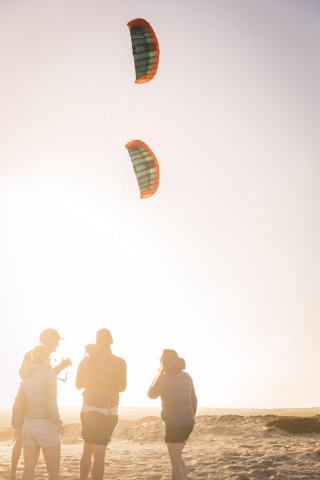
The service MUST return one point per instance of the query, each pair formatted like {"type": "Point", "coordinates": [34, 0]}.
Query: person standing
{"type": "Point", "coordinates": [102, 376]}
{"type": "Point", "coordinates": [179, 406]}
{"type": "Point", "coordinates": [49, 338]}
{"type": "Point", "coordinates": [41, 420]}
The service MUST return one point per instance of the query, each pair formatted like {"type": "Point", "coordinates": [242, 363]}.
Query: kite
{"type": "Point", "coordinates": [145, 48]}
{"type": "Point", "coordinates": [146, 167]}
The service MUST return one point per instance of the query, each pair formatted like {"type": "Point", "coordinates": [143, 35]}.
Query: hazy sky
{"type": "Point", "coordinates": [222, 263]}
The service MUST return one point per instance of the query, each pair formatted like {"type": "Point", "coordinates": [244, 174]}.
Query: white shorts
{"type": "Point", "coordinates": [40, 432]}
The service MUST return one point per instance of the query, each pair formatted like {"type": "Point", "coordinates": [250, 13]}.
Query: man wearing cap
{"type": "Point", "coordinates": [102, 376]}
{"type": "Point", "coordinates": [49, 338]}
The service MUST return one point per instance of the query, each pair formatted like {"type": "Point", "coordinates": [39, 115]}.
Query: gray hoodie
{"type": "Point", "coordinates": [179, 401]}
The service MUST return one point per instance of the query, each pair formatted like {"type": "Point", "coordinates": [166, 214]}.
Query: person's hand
{"type": "Point", "coordinates": [61, 428]}
{"type": "Point", "coordinates": [17, 433]}
{"type": "Point", "coordinates": [62, 365]}
{"type": "Point", "coordinates": [65, 363]}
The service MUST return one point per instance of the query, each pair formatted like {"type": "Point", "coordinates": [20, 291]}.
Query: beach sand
{"type": "Point", "coordinates": [221, 447]}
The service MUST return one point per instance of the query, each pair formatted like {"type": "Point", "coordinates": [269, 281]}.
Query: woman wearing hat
{"type": "Point", "coordinates": [179, 405]}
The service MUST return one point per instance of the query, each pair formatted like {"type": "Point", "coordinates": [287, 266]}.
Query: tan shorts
{"type": "Point", "coordinates": [40, 432]}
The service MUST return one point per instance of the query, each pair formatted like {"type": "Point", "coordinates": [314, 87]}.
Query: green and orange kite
{"type": "Point", "coordinates": [146, 52]}
{"type": "Point", "coordinates": [146, 167]}
{"type": "Point", "coordinates": [145, 49]}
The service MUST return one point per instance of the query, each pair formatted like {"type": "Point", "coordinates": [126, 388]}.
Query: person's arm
{"type": "Point", "coordinates": [51, 397]}
{"type": "Point", "coordinates": [62, 365]}
{"type": "Point", "coordinates": [81, 375]}
{"type": "Point", "coordinates": [122, 376]}
{"type": "Point", "coordinates": [27, 366]}
{"type": "Point", "coordinates": [19, 409]}
{"type": "Point", "coordinates": [155, 389]}
{"type": "Point", "coordinates": [194, 399]}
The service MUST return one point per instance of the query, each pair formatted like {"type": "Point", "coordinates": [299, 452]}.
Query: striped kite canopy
{"type": "Point", "coordinates": [145, 48]}
{"type": "Point", "coordinates": [145, 167]}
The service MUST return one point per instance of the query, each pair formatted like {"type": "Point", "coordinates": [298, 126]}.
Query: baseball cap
{"type": "Point", "coordinates": [49, 334]}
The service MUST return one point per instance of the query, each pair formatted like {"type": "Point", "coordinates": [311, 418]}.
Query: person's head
{"type": "Point", "coordinates": [169, 359]}
{"type": "Point", "coordinates": [50, 338]}
{"type": "Point", "coordinates": [40, 354]}
{"type": "Point", "coordinates": [104, 339]}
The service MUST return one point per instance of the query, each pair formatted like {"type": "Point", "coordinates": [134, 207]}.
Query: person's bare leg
{"type": "Point", "coordinates": [85, 462]}
{"type": "Point", "coordinates": [15, 457]}
{"type": "Point", "coordinates": [173, 460]}
{"type": "Point", "coordinates": [52, 459]}
{"type": "Point", "coordinates": [99, 453]}
{"type": "Point", "coordinates": [179, 471]}
{"type": "Point", "coordinates": [183, 467]}
{"type": "Point", "coordinates": [30, 460]}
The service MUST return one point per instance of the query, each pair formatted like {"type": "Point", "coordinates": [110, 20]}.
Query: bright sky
{"type": "Point", "coordinates": [222, 264]}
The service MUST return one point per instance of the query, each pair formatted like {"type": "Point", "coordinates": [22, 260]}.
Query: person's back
{"type": "Point", "coordinates": [41, 394]}
{"type": "Point", "coordinates": [176, 390]}
{"type": "Point", "coordinates": [102, 375]}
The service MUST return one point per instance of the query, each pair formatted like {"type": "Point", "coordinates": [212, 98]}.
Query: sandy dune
{"type": "Point", "coordinates": [221, 447]}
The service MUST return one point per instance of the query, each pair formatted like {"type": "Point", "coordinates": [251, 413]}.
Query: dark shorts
{"type": "Point", "coordinates": [177, 434]}
{"type": "Point", "coordinates": [97, 428]}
